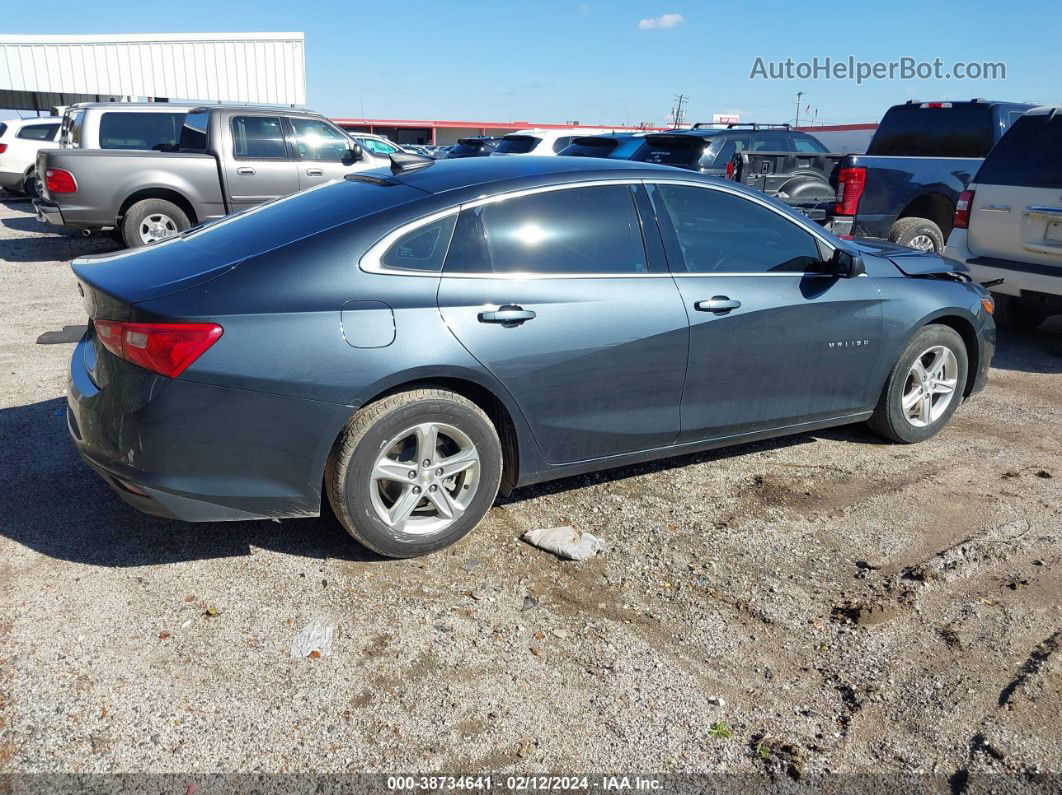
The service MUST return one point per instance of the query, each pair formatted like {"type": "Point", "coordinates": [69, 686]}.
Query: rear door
{"type": "Point", "coordinates": [553, 292]}
{"type": "Point", "coordinates": [323, 152]}
{"type": "Point", "coordinates": [259, 165]}
{"type": "Point", "coordinates": [774, 341]}
{"type": "Point", "coordinates": [1017, 208]}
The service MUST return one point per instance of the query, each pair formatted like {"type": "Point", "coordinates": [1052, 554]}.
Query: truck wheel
{"type": "Point", "coordinates": [918, 233]}
{"type": "Point", "coordinates": [152, 220]}
{"type": "Point", "coordinates": [1013, 315]}
{"type": "Point", "coordinates": [30, 187]}
{"type": "Point", "coordinates": [414, 472]}
{"type": "Point", "coordinates": [924, 388]}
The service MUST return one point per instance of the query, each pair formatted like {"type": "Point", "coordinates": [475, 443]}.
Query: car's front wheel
{"type": "Point", "coordinates": [414, 472]}
{"type": "Point", "coordinates": [924, 388]}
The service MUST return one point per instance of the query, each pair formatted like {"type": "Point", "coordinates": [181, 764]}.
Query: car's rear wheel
{"type": "Point", "coordinates": [924, 388]}
{"type": "Point", "coordinates": [414, 472]}
{"type": "Point", "coordinates": [152, 220]}
{"type": "Point", "coordinates": [918, 233]}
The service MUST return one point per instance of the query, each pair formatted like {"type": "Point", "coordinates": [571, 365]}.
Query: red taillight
{"type": "Point", "coordinates": [962, 210]}
{"type": "Point", "coordinates": [60, 180]}
{"type": "Point", "coordinates": [3, 148]}
{"type": "Point", "coordinates": [163, 348]}
{"type": "Point", "coordinates": [730, 169]}
{"type": "Point", "coordinates": [850, 184]}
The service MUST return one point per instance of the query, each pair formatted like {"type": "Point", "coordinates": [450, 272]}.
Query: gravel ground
{"type": "Point", "coordinates": [824, 602]}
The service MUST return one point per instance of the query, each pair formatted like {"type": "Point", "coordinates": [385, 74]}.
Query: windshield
{"type": "Point", "coordinates": [914, 131]}
{"type": "Point", "coordinates": [517, 144]}
{"type": "Point", "coordinates": [467, 147]}
{"type": "Point", "coordinates": [591, 147]}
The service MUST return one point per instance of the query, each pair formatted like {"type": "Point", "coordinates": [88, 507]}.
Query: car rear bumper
{"type": "Point", "coordinates": [198, 452]}
{"type": "Point", "coordinates": [1017, 277]}
{"type": "Point", "coordinates": [12, 179]}
{"type": "Point", "coordinates": [48, 212]}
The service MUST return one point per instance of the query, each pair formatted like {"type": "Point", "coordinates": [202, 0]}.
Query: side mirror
{"type": "Point", "coordinates": [356, 152]}
{"type": "Point", "coordinates": [846, 265]}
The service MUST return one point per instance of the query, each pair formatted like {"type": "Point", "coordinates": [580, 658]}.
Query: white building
{"type": "Point", "coordinates": [40, 72]}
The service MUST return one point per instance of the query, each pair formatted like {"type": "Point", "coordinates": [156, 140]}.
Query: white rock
{"type": "Point", "coordinates": [565, 542]}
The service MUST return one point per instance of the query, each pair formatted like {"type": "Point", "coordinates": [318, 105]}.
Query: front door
{"type": "Point", "coordinates": [323, 152]}
{"type": "Point", "coordinates": [261, 167]}
{"type": "Point", "coordinates": [774, 341]}
{"type": "Point", "coordinates": [553, 293]}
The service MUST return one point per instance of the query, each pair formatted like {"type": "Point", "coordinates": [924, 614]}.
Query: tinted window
{"type": "Point", "coordinates": [258, 137]}
{"type": "Point", "coordinates": [517, 144]}
{"type": "Point", "coordinates": [422, 249]}
{"type": "Point", "coordinates": [590, 230]}
{"type": "Point", "coordinates": [562, 142]}
{"type": "Point", "coordinates": [467, 146]}
{"type": "Point", "coordinates": [74, 124]}
{"type": "Point", "coordinates": [671, 150]}
{"type": "Point", "coordinates": [806, 144]}
{"type": "Point", "coordinates": [591, 147]}
{"type": "Point", "coordinates": [318, 140]}
{"type": "Point", "coordinates": [39, 132]}
{"type": "Point", "coordinates": [722, 233]}
{"type": "Point", "coordinates": [911, 131]}
{"type": "Point", "coordinates": [3, 129]}
{"type": "Point", "coordinates": [193, 132]}
{"type": "Point", "coordinates": [770, 142]}
{"type": "Point", "coordinates": [722, 150]}
{"type": "Point", "coordinates": [1029, 155]}
{"type": "Point", "coordinates": [160, 132]}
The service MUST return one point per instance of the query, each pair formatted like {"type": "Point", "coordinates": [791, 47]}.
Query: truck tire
{"type": "Point", "coordinates": [918, 233]}
{"type": "Point", "coordinates": [1013, 315]}
{"type": "Point", "coordinates": [30, 187]}
{"type": "Point", "coordinates": [151, 220]}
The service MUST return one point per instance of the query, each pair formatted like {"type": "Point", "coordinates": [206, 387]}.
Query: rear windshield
{"type": "Point", "coordinates": [517, 144]}
{"type": "Point", "coordinates": [591, 147]}
{"type": "Point", "coordinates": [1029, 155]}
{"type": "Point", "coordinates": [913, 131]}
{"type": "Point", "coordinates": [671, 150]}
{"type": "Point", "coordinates": [3, 129]}
{"type": "Point", "coordinates": [467, 147]}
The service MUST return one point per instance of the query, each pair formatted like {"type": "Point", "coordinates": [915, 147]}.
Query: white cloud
{"type": "Point", "coordinates": [662, 21]}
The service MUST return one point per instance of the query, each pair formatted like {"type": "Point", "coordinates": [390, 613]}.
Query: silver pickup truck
{"type": "Point", "coordinates": [214, 160]}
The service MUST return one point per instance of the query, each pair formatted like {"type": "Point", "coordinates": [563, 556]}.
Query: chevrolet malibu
{"type": "Point", "coordinates": [402, 344]}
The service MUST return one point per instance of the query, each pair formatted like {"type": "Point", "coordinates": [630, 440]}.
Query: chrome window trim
{"type": "Point", "coordinates": [370, 262]}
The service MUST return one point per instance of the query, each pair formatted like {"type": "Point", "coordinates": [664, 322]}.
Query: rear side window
{"type": "Point", "coordinates": [805, 144]}
{"type": "Point", "coordinates": [3, 129]}
{"type": "Point", "coordinates": [193, 132]}
{"type": "Point", "coordinates": [73, 123]}
{"type": "Point", "coordinates": [912, 131]}
{"type": "Point", "coordinates": [258, 138]}
{"type": "Point", "coordinates": [517, 144]}
{"type": "Point", "coordinates": [592, 230]}
{"type": "Point", "coordinates": [722, 150]}
{"type": "Point", "coordinates": [771, 142]}
{"type": "Point", "coordinates": [562, 142]}
{"type": "Point", "coordinates": [1029, 155]}
{"type": "Point", "coordinates": [718, 232]}
{"type": "Point", "coordinates": [160, 132]}
{"type": "Point", "coordinates": [423, 249]}
{"type": "Point", "coordinates": [39, 132]}
{"type": "Point", "coordinates": [671, 150]}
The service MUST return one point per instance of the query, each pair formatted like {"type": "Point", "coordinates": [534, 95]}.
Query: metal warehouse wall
{"type": "Point", "coordinates": [266, 68]}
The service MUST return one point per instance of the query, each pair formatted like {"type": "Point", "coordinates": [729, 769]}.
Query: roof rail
{"type": "Point", "coordinates": [754, 125]}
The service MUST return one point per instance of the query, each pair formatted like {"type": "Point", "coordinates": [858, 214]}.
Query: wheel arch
{"type": "Point", "coordinates": [934, 206]}
{"type": "Point", "coordinates": [965, 328]}
{"type": "Point", "coordinates": [166, 194]}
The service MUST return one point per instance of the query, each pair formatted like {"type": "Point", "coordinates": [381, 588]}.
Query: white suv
{"type": "Point", "coordinates": [19, 141]}
{"type": "Point", "coordinates": [541, 142]}
{"type": "Point", "coordinates": [1008, 222]}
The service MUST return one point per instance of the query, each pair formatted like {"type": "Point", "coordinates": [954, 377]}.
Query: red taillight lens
{"type": "Point", "coordinates": [962, 210]}
{"type": "Point", "coordinates": [3, 148]}
{"type": "Point", "coordinates": [850, 184]}
{"type": "Point", "coordinates": [730, 169]}
{"type": "Point", "coordinates": [163, 348]}
{"type": "Point", "coordinates": [60, 180]}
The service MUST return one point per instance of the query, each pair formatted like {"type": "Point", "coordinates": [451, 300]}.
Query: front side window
{"type": "Point", "coordinates": [718, 232]}
{"type": "Point", "coordinates": [258, 138]}
{"type": "Point", "coordinates": [517, 144]}
{"type": "Point", "coordinates": [423, 249]}
{"type": "Point", "coordinates": [807, 145]}
{"type": "Point", "coordinates": [159, 132]}
{"type": "Point", "coordinates": [318, 140]}
{"type": "Point", "coordinates": [592, 230]}
{"type": "Point", "coordinates": [39, 132]}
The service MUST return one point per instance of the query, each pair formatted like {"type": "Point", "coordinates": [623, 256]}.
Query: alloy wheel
{"type": "Point", "coordinates": [922, 243]}
{"type": "Point", "coordinates": [157, 226]}
{"type": "Point", "coordinates": [930, 386]}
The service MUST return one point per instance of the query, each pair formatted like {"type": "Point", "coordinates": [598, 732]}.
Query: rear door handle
{"type": "Point", "coordinates": [507, 315]}
{"type": "Point", "coordinates": [717, 303]}
{"type": "Point", "coordinates": [314, 172]}
{"type": "Point", "coordinates": [245, 170]}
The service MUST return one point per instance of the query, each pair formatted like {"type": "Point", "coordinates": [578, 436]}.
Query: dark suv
{"type": "Point", "coordinates": [708, 149]}
{"type": "Point", "coordinates": [472, 147]}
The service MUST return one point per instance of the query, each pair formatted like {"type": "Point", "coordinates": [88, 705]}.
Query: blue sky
{"type": "Point", "coordinates": [596, 61]}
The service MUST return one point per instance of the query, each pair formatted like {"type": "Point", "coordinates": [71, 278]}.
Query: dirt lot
{"type": "Point", "coordinates": [822, 603]}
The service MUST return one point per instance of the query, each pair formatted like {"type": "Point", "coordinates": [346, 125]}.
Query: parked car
{"type": "Point", "coordinates": [922, 156]}
{"type": "Point", "coordinates": [619, 146]}
{"type": "Point", "coordinates": [408, 340]}
{"type": "Point", "coordinates": [800, 180]}
{"type": "Point", "coordinates": [540, 142]}
{"type": "Point", "coordinates": [227, 158]}
{"type": "Point", "coordinates": [20, 140]}
{"type": "Point", "coordinates": [473, 147]}
{"type": "Point", "coordinates": [146, 126]}
{"type": "Point", "coordinates": [709, 149]}
{"type": "Point", "coordinates": [1008, 221]}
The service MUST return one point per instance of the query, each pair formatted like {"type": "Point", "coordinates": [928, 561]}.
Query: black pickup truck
{"type": "Point", "coordinates": [923, 154]}
{"type": "Point", "coordinates": [800, 179]}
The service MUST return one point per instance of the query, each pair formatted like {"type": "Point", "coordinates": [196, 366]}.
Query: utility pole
{"type": "Point", "coordinates": [677, 113]}
{"type": "Point", "coordinates": [799, 95]}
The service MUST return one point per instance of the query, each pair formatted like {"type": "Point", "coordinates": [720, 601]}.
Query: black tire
{"type": "Point", "coordinates": [907, 231]}
{"type": "Point", "coordinates": [31, 188]}
{"type": "Point", "coordinates": [1012, 315]}
{"type": "Point", "coordinates": [889, 419]}
{"type": "Point", "coordinates": [117, 236]}
{"type": "Point", "coordinates": [348, 480]}
{"type": "Point", "coordinates": [142, 210]}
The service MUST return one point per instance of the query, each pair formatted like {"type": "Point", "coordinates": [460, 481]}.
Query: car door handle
{"type": "Point", "coordinates": [717, 303]}
{"type": "Point", "coordinates": [246, 171]}
{"type": "Point", "coordinates": [508, 314]}
{"type": "Point", "coordinates": [314, 172]}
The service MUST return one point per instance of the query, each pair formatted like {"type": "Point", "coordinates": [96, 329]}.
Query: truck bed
{"type": "Point", "coordinates": [800, 179]}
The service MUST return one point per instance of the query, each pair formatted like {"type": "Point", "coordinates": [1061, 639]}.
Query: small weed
{"type": "Point", "coordinates": [720, 731]}
{"type": "Point", "coordinates": [763, 751]}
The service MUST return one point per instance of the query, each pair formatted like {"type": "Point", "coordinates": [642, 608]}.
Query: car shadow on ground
{"type": "Point", "coordinates": [1038, 351]}
{"type": "Point", "coordinates": [37, 242]}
